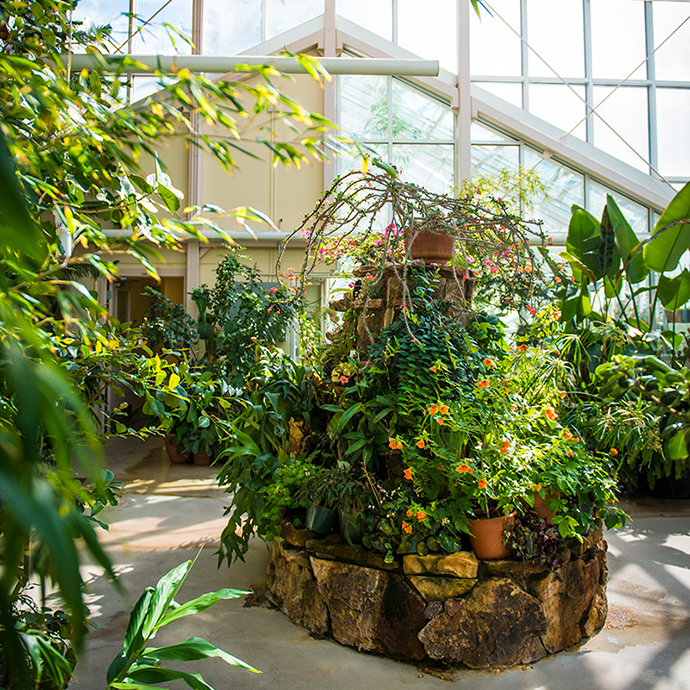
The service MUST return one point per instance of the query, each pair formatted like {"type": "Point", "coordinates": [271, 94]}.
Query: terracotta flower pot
{"type": "Point", "coordinates": [201, 459]}
{"type": "Point", "coordinates": [540, 507]}
{"type": "Point", "coordinates": [486, 537]}
{"type": "Point", "coordinates": [433, 247]}
{"type": "Point", "coordinates": [173, 453]}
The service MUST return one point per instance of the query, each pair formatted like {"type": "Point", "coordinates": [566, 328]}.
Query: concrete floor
{"type": "Point", "coordinates": [169, 512]}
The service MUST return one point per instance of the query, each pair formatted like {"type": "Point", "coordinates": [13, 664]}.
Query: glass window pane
{"type": "Point", "coordinates": [142, 87]}
{"type": "Point", "coordinates": [158, 39]}
{"type": "Point", "coordinates": [428, 165]}
{"type": "Point", "coordinates": [284, 15]}
{"type": "Point", "coordinates": [487, 32]}
{"type": "Point", "coordinates": [565, 187]}
{"type": "Point", "coordinates": [416, 116]}
{"type": "Point", "coordinates": [617, 111]}
{"type": "Point", "coordinates": [481, 132]}
{"type": "Point", "coordinates": [231, 26]}
{"type": "Point", "coordinates": [618, 39]}
{"type": "Point", "coordinates": [376, 17]}
{"type": "Point", "coordinates": [672, 60]}
{"type": "Point", "coordinates": [555, 32]}
{"type": "Point", "coordinates": [635, 214]}
{"type": "Point", "coordinates": [508, 92]}
{"type": "Point", "coordinates": [430, 31]}
{"type": "Point", "coordinates": [673, 123]}
{"type": "Point", "coordinates": [490, 160]}
{"type": "Point", "coordinates": [103, 12]}
{"type": "Point", "coordinates": [364, 106]}
{"type": "Point", "coordinates": [559, 105]}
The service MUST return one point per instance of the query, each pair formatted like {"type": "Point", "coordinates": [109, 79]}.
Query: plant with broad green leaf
{"type": "Point", "coordinates": [610, 308]}
{"type": "Point", "coordinates": [139, 665]}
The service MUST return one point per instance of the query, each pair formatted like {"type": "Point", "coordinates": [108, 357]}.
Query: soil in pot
{"type": "Point", "coordinates": [486, 537]}
{"type": "Point", "coordinates": [172, 451]}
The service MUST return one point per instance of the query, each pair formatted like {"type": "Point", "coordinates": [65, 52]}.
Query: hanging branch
{"type": "Point", "coordinates": [491, 243]}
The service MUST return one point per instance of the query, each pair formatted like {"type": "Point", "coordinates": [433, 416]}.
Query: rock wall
{"type": "Point", "coordinates": [450, 608]}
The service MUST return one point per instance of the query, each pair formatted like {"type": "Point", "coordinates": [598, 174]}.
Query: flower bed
{"type": "Point", "coordinates": [447, 608]}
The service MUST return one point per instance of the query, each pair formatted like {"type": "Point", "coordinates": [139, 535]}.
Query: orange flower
{"type": "Point", "coordinates": [444, 409]}
{"type": "Point", "coordinates": [440, 421]}
{"type": "Point", "coordinates": [568, 436]}
{"type": "Point", "coordinates": [614, 451]}
{"type": "Point", "coordinates": [521, 348]}
{"type": "Point", "coordinates": [571, 454]}
{"type": "Point", "coordinates": [483, 383]}
{"type": "Point", "coordinates": [505, 390]}
{"type": "Point", "coordinates": [407, 528]}
{"type": "Point", "coordinates": [550, 413]}
{"type": "Point", "coordinates": [420, 443]}
{"type": "Point", "coordinates": [407, 473]}
{"type": "Point", "coordinates": [409, 512]}
{"type": "Point", "coordinates": [421, 516]}
{"type": "Point", "coordinates": [392, 443]}
{"type": "Point", "coordinates": [433, 409]}
{"type": "Point", "coordinates": [537, 487]}
{"type": "Point", "coordinates": [562, 395]}
{"type": "Point", "coordinates": [463, 468]}
{"type": "Point", "coordinates": [434, 369]}
{"type": "Point", "coordinates": [558, 280]}
{"type": "Point", "coordinates": [556, 315]}
{"type": "Point", "coordinates": [488, 362]}
{"type": "Point", "coordinates": [482, 483]}
{"type": "Point", "coordinates": [505, 447]}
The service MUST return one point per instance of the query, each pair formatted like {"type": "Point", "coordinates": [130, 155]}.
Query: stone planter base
{"type": "Point", "coordinates": [451, 608]}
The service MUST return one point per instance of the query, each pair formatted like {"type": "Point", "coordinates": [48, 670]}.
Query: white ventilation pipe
{"type": "Point", "coordinates": [222, 64]}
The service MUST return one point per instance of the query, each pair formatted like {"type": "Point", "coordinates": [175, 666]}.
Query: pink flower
{"type": "Point", "coordinates": [344, 380]}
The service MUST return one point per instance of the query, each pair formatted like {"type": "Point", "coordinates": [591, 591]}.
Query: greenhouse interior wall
{"type": "Point", "coordinates": [592, 94]}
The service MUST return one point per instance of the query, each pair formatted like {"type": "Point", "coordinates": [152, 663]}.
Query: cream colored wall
{"type": "Point", "coordinates": [282, 193]}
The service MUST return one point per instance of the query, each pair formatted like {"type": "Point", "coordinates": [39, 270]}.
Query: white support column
{"type": "Point", "coordinates": [193, 199]}
{"type": "Point", "coordinates": [463, 137]}
{"type": "Point", "coordinates": [329, 92]}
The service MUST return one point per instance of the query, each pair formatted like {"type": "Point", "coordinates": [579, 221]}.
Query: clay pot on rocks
{"type": "Point", "coordinates": [173, 453]}
{"type": "Point", "coordinates": [433, 248]}
{"type": "Point", "coordinates": [486, 537]}
{"type": "Point", "coordinates": [540, 507]}
{"type": "Point", "coordinates": [201, 459]}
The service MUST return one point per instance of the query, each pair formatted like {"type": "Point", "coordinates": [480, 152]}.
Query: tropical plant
{"type": "Point", "coordinates": [139, 665]}
{"type": "Point", "coordinates": [71, 165]}
{"type": "Point", "coordinates": [167, 325]}
{"type": "Point", "coordinates": [531, 538]}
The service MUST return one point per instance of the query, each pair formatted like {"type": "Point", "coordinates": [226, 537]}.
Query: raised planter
{"type": "Point", "coordinates": [431, 247]}
{"type": "Point", "coordinates": [453, 608]}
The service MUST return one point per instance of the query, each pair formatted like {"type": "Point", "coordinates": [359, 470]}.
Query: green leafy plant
{"type": "Point", "coordinates": [139, 665]}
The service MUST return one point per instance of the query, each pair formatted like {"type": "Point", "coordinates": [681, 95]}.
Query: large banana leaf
{"type": "Point", "coordinates": [671, 236]}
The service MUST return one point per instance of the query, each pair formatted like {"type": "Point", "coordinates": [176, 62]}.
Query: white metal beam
{"type": "Point", "coordinates": [147, 64]}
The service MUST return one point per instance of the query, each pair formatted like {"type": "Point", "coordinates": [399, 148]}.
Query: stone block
{"type": "Point", "coordinates": [372, 610]}
{"type": "Point", "coordinates": [596, 616]}
{"type": "Point", "coordinates": [566, 594]}
{"type": "Point", "coordinates": [294, 536]}
{"type": "Point", "coordinates": [294, 589]}
{"type": "Point", "coordinates": [461, 564]}
{"type": "Point", "coordinates": [350, 553]}
{"type": "Point", "coordinates": [437, 588]}
{"type": "Point", "coordinates": [497, 625]}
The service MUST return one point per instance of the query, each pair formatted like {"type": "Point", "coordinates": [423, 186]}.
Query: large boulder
{"type": "Point", "coordinates": [372, 610]}
{"type": "Point", "coordinates": [496, 625]}
{"type": "Point", "coordinates": [294, 589]}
